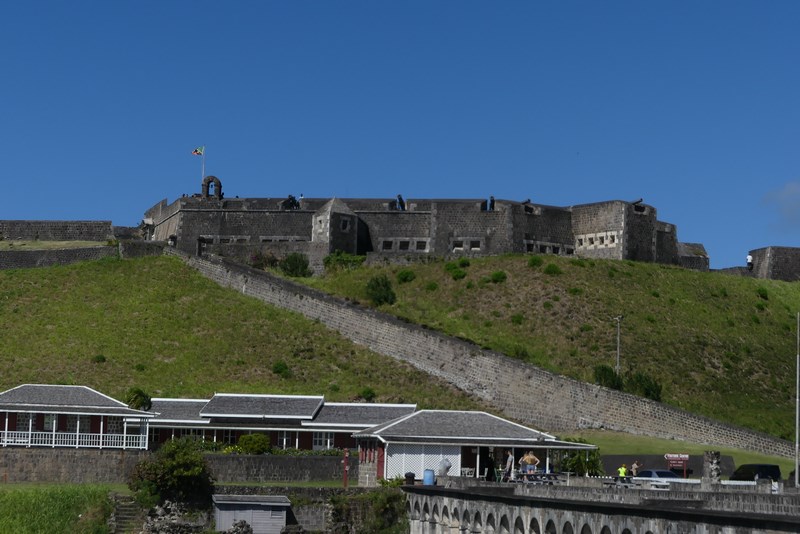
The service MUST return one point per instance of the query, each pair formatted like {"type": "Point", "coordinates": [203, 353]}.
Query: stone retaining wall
{"type": "Point", "coordinates": [26, 259]}
{"type": "Point", "coordinates": [520, 391]}
{"type": "Point", "coordinates": [69, 466]}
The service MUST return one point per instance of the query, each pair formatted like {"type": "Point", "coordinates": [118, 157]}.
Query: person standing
{"type": "Point", "coordinates": [749, 262]}
{"type": "Point", "coordinates": [635, 466]}
{"type": "Point", "coordinates": [622, 471]}
{"type": "Point", "coordinates": [509, 466]}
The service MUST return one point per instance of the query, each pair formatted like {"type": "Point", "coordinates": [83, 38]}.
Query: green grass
{"type": "Point", "coordinates": [54, 509]}
{"type": "Point", "coordinates": [715, 343]}
{"type": "Point", "coordinates": [156, 324]}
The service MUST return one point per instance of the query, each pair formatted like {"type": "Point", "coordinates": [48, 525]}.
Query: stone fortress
{"type": "Point", "coordinates": [415, 229]}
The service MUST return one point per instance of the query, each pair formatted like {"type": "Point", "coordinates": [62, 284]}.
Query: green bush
{"type": "Point", "coordinates": [762, 293]}
{"type": "Point", "coordinates": [607, 377]}
{"type": "Point", "coordinates": [580, 462]}
{"type": "Point", "coordinates": [535, 261]}
{"type": "Point", "coordinates": [342, 261]}
{"type": "Point", "coordinates": [431, 286]}
{"type": "Point", "coordinates": [463, 262]}
{"type": "Point", "coordinates": [552, 269]}
{"type": "Point", "coordinates": [254, 443]}
{"type": "Point", "coordinates": [295, 265]}
{"type": "Point", "coordinates": [281, 368]}
{"type": "Point", "coordinates": [643, 385]}
{"type": "Point", "coordinates": [405, 275]}
{"type": "Point", "coordinates": [379, 290]}
{"type": "Point", "coordinates": [368, 394]}
{"type": "Point", "coordinates": [176, 472]}
{"type": "Point", "coordinates": [458, 274]}
{"type": "Point", "coordinates": [99, 359]}
{"type": "Point", "coordinates": [498, 277]}
{"type": "Point", "coordinates": [517, 318]}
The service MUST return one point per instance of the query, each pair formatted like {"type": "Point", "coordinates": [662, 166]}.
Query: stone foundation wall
{"type": "Point", "coordinates": [528, 394]}
{"type": "Point", "coordinates": [70, 466]}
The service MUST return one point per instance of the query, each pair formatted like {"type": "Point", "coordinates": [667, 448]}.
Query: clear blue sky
{"type": "Point", "coordinates": [693, 106]}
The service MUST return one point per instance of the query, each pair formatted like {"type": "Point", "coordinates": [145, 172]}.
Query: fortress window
{"type": "Point", "coordinates": [638, 208]}
{"type": "Point", "coordinates": [458, 245]}
{"type": "Point", "coordinates": [224, 240]}
{"type": "Point", "coordinates": [556, 250]}
{"type": "Point", "coordinates": [403, 245]}
{"type": "Point", "coordinates": [570, 251]}
{"type": "Point", "coordinates": [612, 238]}
{"type": "Point", "coordinates": [580, 242]}
{"type": "Point", "coordinates": [387, 245]}
{"type": "Point", "coordinates": [475, 245]}
{"type": "Point", "coordinates": [242, 240]}
{"type": "Point", "coordinates": [602, 240]}
{"type": "Point", "coordinates": [529, 209]}
{"type": "Point", "coordinates": [543, 249]}
{"type": "Point", "coordinates": [591, 241]}
{"type": "Point", "coordinates": [345, 225]}
{"type": "Point", "coordinates": [422, 245]}
{"type": "Point", "coordinates": [528, 247]}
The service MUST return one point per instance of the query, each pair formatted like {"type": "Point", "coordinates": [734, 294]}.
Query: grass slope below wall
{"type": "Point", "coordinates": [54, 509]}
{"type": "Point", "coordinates": [153, 323]}
{"type": "Point", "coordinates": [722, 346]}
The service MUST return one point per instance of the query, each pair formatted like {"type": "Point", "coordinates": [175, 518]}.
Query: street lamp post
{"type": "Point", "coordinates": [618, 318]}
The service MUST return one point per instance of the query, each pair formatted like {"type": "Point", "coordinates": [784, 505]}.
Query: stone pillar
{"type": "Point", "coordinates": [711, 470]}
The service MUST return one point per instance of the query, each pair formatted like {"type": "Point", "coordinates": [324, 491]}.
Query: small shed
{"type": "Point", "coordinates": [265, 513]}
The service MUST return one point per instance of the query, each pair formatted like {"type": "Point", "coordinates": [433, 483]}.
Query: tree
{"type": "Point", "coordinates": [177, 472]}
{"type": "Point", "coordinates": [581, 462]}
{"type": "Point", "coordinates": [137, 399]}
{"type": "Point", "coordinates": [379, 290]}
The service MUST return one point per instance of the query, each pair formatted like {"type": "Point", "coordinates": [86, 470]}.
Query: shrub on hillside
{"type": "Point", "coordinates": [296, 265]}
{"type": "Point", "coordinates": [176, 472]}
{"type": "Point", "coordinates": [405, 275]}
{"type": "Point", "coordinates": [499, 277]}
{"type": "Point", "coordinates": [607, 377]}
{"type": "Point", "coordinates": [643, 385]}
{"type": "Point", "coordinates": [552, 269]}
{"type": "Point", "coordinates": [368, 394]}
{"type": "Point", "coordinates": [281, 368]}
{"type": "Point", "coordinates": [254, 444]}
{"type": "Point", "coordinates": [535, 261]}
{"type": "Point", "coordinates": [379, 290]}
{"type": "Point", "coordinates": [342, 261]}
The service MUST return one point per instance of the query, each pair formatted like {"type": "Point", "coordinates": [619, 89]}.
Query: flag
{"type": "Point", "coordinates": [198, 151]}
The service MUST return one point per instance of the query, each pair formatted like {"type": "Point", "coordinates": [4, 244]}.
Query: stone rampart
{"type": "Point", "coordinates": [520, 391]}
{"type": "Point", "coordinates": [69, 466]}
{"type": "Point", "coordinates": [139, 249]}
{"type": "Point", "coordinates": [57, 230]}
{"type": "Point", "coordinates": [26, 259]}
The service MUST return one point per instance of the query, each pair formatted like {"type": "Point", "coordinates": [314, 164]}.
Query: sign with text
{"type": "Point", "coordinates": [677, 461]}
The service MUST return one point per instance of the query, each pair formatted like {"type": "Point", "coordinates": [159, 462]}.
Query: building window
{"type": "Point", "coordinates": [387, 245]}
{"type": "Point", "coordinates": [345, 225]}
{"type": "Point", "coordinates": [49, 421]}
{"type": "Point", "coordinates": [591, 241]}
{"type": "Point", "coordinates": [285, 440]}
{"type": "Point", "coordinates": [72, 423]}
{"type": "Point", "coordinates": [474, 245]}
{"type": "Point", "coordinates": [612, 239]}
{"type": "Point", "coordinates": [529, 247]}
{"type": "Point", "coordinates": [323, 441]}
{"type": "Point", "coordinates": [224, 240]}
{"type": "Point", "coordinates": [570, 251]}
{"type": "Point", "coordinates": [458, 245]}
{"type": "Point", "coordinates": [602, 239]}
{"type": "Point", "coordinates": [229, 436]}
{"type": "Point", "coordinates": [580, 242]}
{"type": "Point", "coordinates": [556, 250]}
{"type": "Point", "coordinates": [154, 434]}
{"type": "Point", "coordinates": [543, 249]}
{"type": "Point", "coordinates": [404, 245]}
{"type": "Point", "coordinates": [422, 245]}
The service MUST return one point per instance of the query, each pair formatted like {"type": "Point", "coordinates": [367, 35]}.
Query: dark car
{"type": "Point", "coordinates": [757, 471]}
{"type": "Point", "coordinates": [657, 473]}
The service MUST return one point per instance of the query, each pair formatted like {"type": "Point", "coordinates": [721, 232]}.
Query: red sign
{"type": "Point", "coordinates": [677, 461]}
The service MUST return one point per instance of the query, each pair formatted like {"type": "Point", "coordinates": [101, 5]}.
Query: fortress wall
{"type": "Point", "coordinates": [521, 392]}
{"type": "Point", "coordinates": [467, 222]}
{"type": "Point", "coordinates": [603, 221]}
{"type": "Point", "coordinates": [395, 225]}
{"type": "Point", "coordinates": [640, 228]}
{"type": "Point", "coordinates": [26, 259]}
{"type": "Point", "coordinates": [57, 230]}
{"type": "Point", "coordinates": [777, 263]}
{"type": "Point", "coordinates": [542, 225]}
{"type": "Point", "coordinates": [68, 466]}
{"type": "Point", "coordinates": [666, 243]}
{"type": "Point", "coordinates": [139, 249]}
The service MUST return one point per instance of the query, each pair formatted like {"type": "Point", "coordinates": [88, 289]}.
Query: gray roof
{"type": "Point", "coordinates": [42, 398]}
{"type": "Point", "coordinates": [274, 500]}
{"type": "Point", "coordinates": [358, 415]}
{"type": "Point", "coordinates": [226, 405]}
{"type": "Point", "coordinates": [178, 410]}
{"type": "Point", "coordinates": [461, 428]}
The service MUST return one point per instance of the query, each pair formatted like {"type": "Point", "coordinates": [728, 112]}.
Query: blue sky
{"type": "Point", "coordinates": [692, 106]}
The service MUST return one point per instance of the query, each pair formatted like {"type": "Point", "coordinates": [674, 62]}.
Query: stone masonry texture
{"type": "Point", "coordinates": [520, 391]}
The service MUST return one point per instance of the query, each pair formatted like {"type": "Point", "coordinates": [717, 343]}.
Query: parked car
{"type": "Point", "coordinates": [657, 473]}
{"type": "Point", "coordinates": [756, 471]}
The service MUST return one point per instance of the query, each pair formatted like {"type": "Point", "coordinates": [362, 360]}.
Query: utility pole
{"type": "Point", "coordinates": [618, 318]}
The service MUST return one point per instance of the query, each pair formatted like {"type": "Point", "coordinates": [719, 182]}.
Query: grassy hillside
{"type": "Point", "coordinates": [720, 345]}
{"type": "Point", "coordinates": [156, 324]}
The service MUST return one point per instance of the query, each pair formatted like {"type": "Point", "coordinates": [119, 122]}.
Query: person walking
{"type": "Point", "coordinates": [622, 471]}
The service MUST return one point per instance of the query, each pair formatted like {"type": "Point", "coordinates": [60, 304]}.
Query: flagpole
{"type": "Point", "coordinates": [203, 168]}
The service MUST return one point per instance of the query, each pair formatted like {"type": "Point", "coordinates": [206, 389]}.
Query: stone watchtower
{"type": "Point", "coordinates": [335, 227]}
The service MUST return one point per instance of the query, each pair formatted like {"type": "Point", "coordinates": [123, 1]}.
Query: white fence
{"type": "Point", "coordinates": [75, 440]}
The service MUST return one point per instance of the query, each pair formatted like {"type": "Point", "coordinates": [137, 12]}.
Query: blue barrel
{"type": "Point", "coordinates": [428, 477]}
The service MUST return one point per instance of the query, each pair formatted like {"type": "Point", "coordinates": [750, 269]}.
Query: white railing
{"type": "Point", "coordinates": [68, 439]}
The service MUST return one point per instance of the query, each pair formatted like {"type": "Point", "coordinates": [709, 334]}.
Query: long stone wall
{"type": "Point", "coordinates": [521, 392]}
{"type": "Point", "coordinates": [57, 230]}
{"type": "Point", "coordinates": [26, 259]}
{"type": "Point", "coordinates": [72, 466]}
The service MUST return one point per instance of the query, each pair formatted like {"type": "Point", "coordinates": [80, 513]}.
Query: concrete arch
{"type": "Point", "coordinates": [465, 522]}
{"type": "Point", "coordinates": [477, 524]}
{"type": "Point", "coordinates": [567, 528]}
{"type": "Point", "coordinates": [416, 513]}
{"type": "Point", "coordinates": [210, 182]}
{"type": "Point", "coordinates": [445, 521]}
{"type": "Point", "coordinates": [435, 517]}
{"type": "Point", "coordinates": [586, 529]}
{"type": "Point", "coordinates": [550, 527]}
{"type": "Point", "coordinates": [626, 531]}
{"type": "Point", "coordinates": [491, 523]}
{"type": "Point", "coordinates": [534, 527]}
{"type": "Point", "coordinates": [519, 526]}
{"type": "Point", "coordinates": [605, 530]}
{"type": "Point", "coordinates": [503, 527]}
{"type": "Point", "coordinates": [426, 513]}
